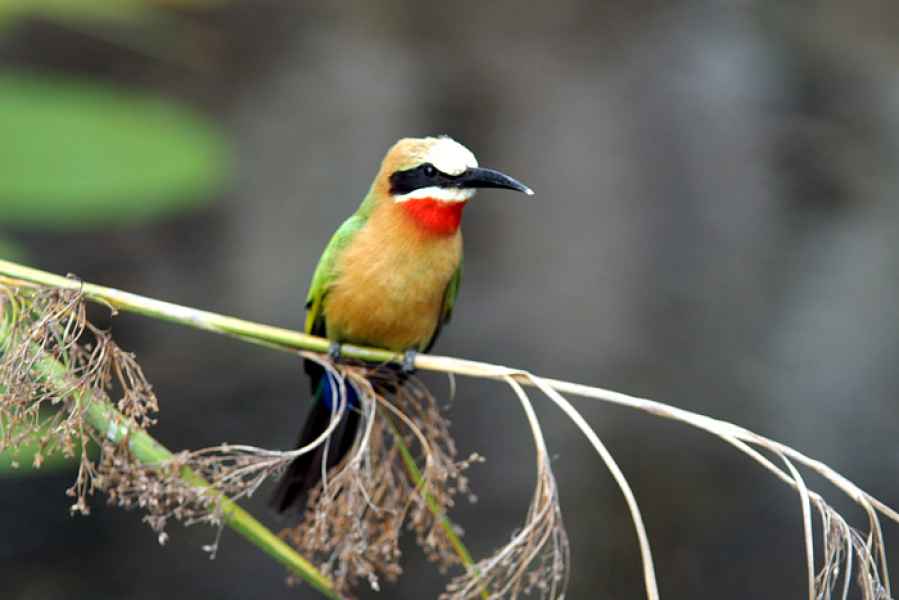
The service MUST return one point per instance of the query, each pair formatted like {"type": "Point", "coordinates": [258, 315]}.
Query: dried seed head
{"type": "Point", "coordinates": [355, 516]}
{"type": "Point", "coordinates": [53, 362]}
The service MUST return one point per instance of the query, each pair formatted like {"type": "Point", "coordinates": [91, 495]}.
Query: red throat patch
{"type": "Point", "coordinates": [439, 218]}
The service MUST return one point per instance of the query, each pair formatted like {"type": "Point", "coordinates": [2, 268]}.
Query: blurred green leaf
{"type": "Point", "coordinates": [77, 154]}
{"type": "Point", "coordinates": [25, 462]}
{"type": "Point", "coordinates": [115, 10]}
{"type": "Point", "coordinates": [10, 250]}
{"type": "Point", "coordinates": [98, 10]}
{"type": "Point", "coordinates": [22, 464]}
{"type": "Point", "coordinates": [154, 28]}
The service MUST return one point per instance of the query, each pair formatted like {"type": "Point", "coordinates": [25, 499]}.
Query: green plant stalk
{"type": "Point", "coordinates": [265, 335]}
{"type": "Point", "coordinates": [278, 338]}
{"type": "Point", "coordinates": [109, 422]}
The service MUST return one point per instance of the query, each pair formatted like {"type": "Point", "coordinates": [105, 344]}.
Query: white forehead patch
{"type": "Point", "coordinates": [450, 157]}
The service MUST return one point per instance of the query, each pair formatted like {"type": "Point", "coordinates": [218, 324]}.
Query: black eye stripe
{"type": "Point", "coordinates": [403, 182]}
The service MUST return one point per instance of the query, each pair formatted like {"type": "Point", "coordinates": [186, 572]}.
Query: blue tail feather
{"type": "Point", "coordinates": [305, 471]}
{"type": "Point", "coordinates": [327, 393]}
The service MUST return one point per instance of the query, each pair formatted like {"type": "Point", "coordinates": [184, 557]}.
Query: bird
{"type": "Point", "coordinates": [389, 278]}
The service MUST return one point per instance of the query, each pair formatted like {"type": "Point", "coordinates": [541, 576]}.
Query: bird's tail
{"type": "Point", "coordinates": [305, 471]}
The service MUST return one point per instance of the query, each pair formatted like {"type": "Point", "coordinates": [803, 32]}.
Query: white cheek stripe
{"type": "Point", "coordinates": [437, 193]}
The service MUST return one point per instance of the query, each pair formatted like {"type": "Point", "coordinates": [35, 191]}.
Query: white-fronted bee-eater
{"type": "Point", "coordinates": [388, 278]}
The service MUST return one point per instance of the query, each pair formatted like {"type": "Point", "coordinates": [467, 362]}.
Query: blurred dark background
{"type": "Point", "coordinates": [715, 227]}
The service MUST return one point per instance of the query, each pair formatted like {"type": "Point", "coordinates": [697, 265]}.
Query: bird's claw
{"type": "Point", "coordinates": [334, 351]}
{"type": "Point", "coordinates": [408, 366]}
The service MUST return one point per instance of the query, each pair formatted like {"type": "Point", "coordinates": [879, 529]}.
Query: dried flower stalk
{"type": "Point", "coordinates": [862, 556]}
{"type": "Point", "coordinates": [355, 516]}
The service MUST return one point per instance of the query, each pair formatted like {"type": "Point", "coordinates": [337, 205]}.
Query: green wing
{"type": "Point", "coordinates": [449, 302]}
{"type": "Point", "coordinates": [325, 273]}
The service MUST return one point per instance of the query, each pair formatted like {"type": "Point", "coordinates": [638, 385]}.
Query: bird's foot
{"type": "Point", "coordinates": [408, 366]}
{"type": "Point", "coordinates": [334, 351]}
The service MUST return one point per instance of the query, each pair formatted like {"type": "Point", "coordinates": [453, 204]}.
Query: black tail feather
{"type": "Point", "coordinates": [305, 471]}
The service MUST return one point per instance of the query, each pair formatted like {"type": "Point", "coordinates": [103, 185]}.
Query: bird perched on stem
{"type": "Point", "coordinates": [388, 278]}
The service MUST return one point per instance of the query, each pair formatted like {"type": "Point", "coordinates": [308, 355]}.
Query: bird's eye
{"type": "Point", "coordinates": [430, 171]}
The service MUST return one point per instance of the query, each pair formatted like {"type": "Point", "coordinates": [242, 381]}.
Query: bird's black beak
{"type": "Point", "coordinates": [488, 178]}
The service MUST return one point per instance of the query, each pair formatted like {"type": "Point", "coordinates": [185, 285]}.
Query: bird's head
{"type": "Point", "coordinates": [432, 178]}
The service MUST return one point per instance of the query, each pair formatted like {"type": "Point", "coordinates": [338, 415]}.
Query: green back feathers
{"type": "Point", "coordinates": [325, 272]}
